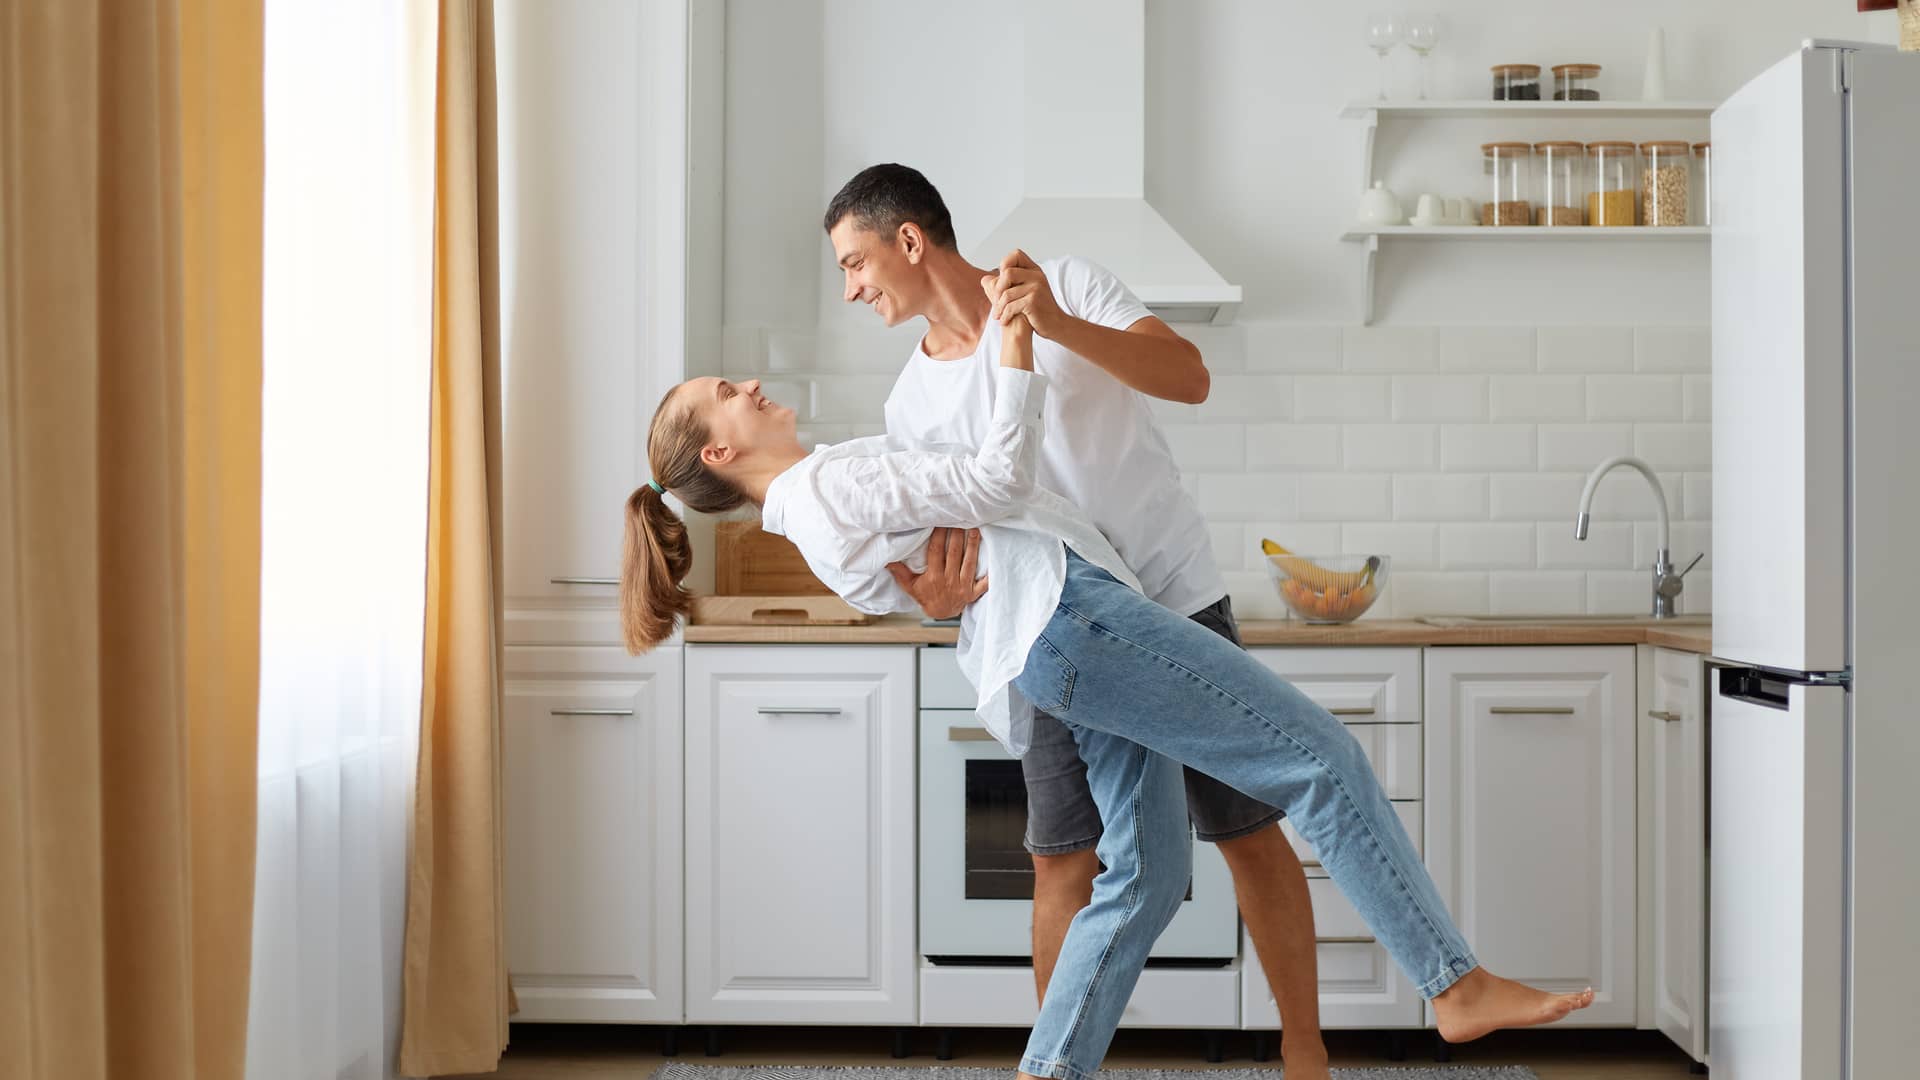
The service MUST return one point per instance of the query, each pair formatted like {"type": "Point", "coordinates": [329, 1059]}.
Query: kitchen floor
{"type": "Point", "coordinates": [591, 1052]}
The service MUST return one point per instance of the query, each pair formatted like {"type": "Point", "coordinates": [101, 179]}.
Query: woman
{"type": "Point", "coordinates": [1065, 629]}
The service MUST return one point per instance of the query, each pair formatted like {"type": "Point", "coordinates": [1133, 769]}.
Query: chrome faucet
{"type": "Point", "coordinates": [1666, 583]}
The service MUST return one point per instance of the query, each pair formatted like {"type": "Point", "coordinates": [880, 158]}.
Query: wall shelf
{"type": "Point", "coordinates": [1372, 112]}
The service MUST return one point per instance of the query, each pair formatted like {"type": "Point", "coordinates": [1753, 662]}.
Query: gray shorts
{"type": "Point", "coordinates": [1061, 814]}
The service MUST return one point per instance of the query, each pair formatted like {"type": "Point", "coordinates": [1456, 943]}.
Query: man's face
{"type": "Point", "coordinates": [881, 271]}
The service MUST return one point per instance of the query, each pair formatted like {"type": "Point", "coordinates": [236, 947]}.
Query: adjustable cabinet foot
{"type": "Point", "coordinates": [943, 1047]}
{"type": "Point", "coordinates": [902, 1042]}
{"type": "Point", "coordinates": [1216, 1047]}
{"type": "Point", "coordinates": [1396, 1046]}
{"type": "Point", "coordinates": [1262, 1047]}
{"type": "Point", "coordinates": [670, 1042]}
{"type": "Point", "coordinates": [713, 1040]}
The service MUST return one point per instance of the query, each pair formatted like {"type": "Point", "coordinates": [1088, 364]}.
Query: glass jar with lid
{"type": "Point", "coordinates": [1516, 82]}
{"type": "Point", "coordinates": [1702, 183]}
{"type": "Point", "coordinates": [1575, 82]}
{"type": "Point", "coordinates": [1612, 199]}
{"type": "Point", "coordinates": [1508, 166]}
{"type": "Point", "coordinates": [1666, 183]}
{"type": "Point", "coordinates": [1563, 174]}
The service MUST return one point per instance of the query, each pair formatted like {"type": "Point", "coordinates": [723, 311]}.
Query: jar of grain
{"type": "Point", "coordinates": [1563, 173]}
{"type": "Point", "coordinates": [1703, 183]}
{"type": "Point", "coordinates": [1666, 183]}
{"type": "Point", "coordinates": [1615, 168]}
{"type": "Point", "coordinates": [1575, 82]}
{"type": "Point", "coordinates": [1508, 166]}
{"type": "Point", "coordinates": [1516, 82]}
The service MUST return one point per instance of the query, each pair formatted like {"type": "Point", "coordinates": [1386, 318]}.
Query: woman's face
{"type": "Point", "coordinates": [738, 416]}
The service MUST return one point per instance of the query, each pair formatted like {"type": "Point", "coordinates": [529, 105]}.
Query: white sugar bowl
{"type": "Point", "coordinates": [1380, 206]}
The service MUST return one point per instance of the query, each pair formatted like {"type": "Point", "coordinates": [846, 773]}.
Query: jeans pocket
{"type": "Point", "coordinates": [1047, 680]}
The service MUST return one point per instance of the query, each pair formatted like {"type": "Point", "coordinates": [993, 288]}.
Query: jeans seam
{"type": "Point", "coordinates": [1338, 781]}
{"type": "Point", "coordinates": [1126, 916]}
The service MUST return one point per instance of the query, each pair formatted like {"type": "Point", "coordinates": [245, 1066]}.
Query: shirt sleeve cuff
{"type": "Point", "coordinates": [1018, 395]}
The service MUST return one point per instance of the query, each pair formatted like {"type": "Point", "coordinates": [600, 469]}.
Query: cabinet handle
{"type": "Point", "coordinates": [591, 712]}
{"type": "Point", "coordinates": [774, 710]}
{"type": "Point", "coordinates": [583, 581]}
{"type": "Point", "coordinates": [1662, 714]}
{"type": "Point", "coordinates": [969, 734]}
{"type": "Point", "coordinates": [1355, 711]}
{"type": "Point", "coordinates": [1531, 710]}
{"type": "Point", "coordinates": [1345, 941]}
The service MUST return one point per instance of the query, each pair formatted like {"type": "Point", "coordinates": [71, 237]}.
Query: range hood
{"type": "Point", "coordinates": [1084, 108]}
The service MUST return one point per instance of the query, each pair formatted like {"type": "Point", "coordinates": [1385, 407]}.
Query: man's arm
{"type": "Point", "coordinates": [1147, 356]}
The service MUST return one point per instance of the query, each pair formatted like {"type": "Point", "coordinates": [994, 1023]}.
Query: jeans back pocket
{"type": "Point", "coordinates": [1047, 680]}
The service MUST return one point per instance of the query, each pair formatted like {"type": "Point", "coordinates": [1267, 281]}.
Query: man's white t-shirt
{"type": "Point", "coordinates": [1103, 449]}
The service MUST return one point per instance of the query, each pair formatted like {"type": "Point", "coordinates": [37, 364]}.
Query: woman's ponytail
{"type": "Point", "coordinates": [656, 555]}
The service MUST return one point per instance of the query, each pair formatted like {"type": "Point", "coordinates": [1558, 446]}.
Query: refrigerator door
{"type": "Point", "coordinates": [1779, 342]}
{"type": "Point", "coordinates": [1777, 848]}
{"type": "Point", "coordinates": [1884, 99]}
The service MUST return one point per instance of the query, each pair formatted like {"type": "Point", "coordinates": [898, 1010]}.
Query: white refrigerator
{"type": "Point", "coordinates": [1814, 820]}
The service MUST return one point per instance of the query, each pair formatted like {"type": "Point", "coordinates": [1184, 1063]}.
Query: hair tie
{"type": "Point", "coordinates": [655, 485]}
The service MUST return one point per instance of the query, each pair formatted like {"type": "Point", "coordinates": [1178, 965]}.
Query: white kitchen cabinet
{"type": "Point", "coordinates": [1376, 693]}
{"type": "Point", "coordinates": [1673, 842]}
{"type": "Point", "coordinates": [800, 834]}
{"type": "Point", "coordinates": [1530, 814]}
{"type": "Point", "coordinates": [592, 772]}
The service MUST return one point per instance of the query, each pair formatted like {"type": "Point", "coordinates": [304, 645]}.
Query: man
{"type": "Point", "coordinates": [1102, 350]}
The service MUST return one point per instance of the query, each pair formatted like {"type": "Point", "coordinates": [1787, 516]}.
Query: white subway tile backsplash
{"type": "Point", "coordinates": [741, 349]}
{"type": "Point", "coordinates": [1222, 348]}
{"type": "Point", "coordinates": [1388, 348]}
{"type": "Point", "coordinates": [1696, 398]}
{"type": "Point", "coordinates": [1248, 397]}
{"type": "Point", "coordinates": [1620, 592]}
{"type": "Point", "coordinates": [1254, 596]}
{"type": "Point", "coordinates": [1585, 350]}
{"type": "Point", "coordinates": [1440, 397]}
{"type": "Point", "coordinates": [1633, 397]}
{"type": "Point", "coordinates": [852, 398]}
{"type": "Point", "coordinates": [792, 351]}
{"type": "Point", "coordinates": [1342, 397]}
{"type": "Point", "coordinates": [1536, 496]}
{"type": "Point", "coordinates": [1411, 547]}
{"type": "Point", "coordinates": [1625, 496]}
{"type": "Point", "coordinates": [1173, 412]}
{"type": "Point", "coordinates": [1696, 597]}
{"type": "Point", "coordinates": [796, 395]}
{"type": "Point", "coordinates": [1538, 397]}
{"type": "Point", "coordinates": [1537, 592]}
{"type": "Point", "coordinates": [1486, 547]}
{"type": "Point", "coordinates": [1439, 497]}
{"type": "Point", "coordinates": [1685, 538]}
{"type": "Point", "coordinates": [1292, 347]}
{"type": "Point", "coordinates": [1486, 349]}
{"type": "Point", "coordinates": [1697, 500]}
{"type": "Point", "coordinates": [1486, 447]}
{"type": "Point", "coordinates": [1673, 348]}
{"type": "Point", "coordinates": [1391, 446]}
{"type": "Point", "coordinates": [1438, 593]}
{"type": "Point", "coordinates": [1608, 546]}
{"type": "Point", "coordinates": [1229, 546]}
{"type": "Point", "coordinates": [1674, 446]}
{"type": "Point", "coordinates": [1299, 537]}
{"type": "Point", "coordinates": [1207, 446]}
{"type": "Point", "coordinates": [1293, 446]}
{"type": "Point", "coordinates": [1346, 497]}
{"type": "Point", "coordinates": [1582, 446]}
{"type": "Point", "coordinates": [867, 351]}
{"type": "Point", "coordinates": [1249, 496]}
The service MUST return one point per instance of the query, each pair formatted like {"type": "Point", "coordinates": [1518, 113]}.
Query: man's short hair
{"type": "Point", "coordinates": [884, 197]}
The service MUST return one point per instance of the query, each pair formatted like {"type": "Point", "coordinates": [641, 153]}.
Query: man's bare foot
{"type": "Point", "coordinates": [1482, 1001]}
{"type": "Point", "coordinates": [1304, 1062]}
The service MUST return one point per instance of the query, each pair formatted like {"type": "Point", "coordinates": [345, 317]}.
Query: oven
{"type": "Point", "coordinates": [976, 878]}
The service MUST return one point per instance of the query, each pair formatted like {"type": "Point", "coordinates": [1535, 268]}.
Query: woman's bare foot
{"type": "Point", "coordinates": [1482, 1001]}
{"type": "Point", "coordinates": [1304, 1062]}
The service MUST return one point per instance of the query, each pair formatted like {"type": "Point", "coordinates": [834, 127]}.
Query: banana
{"type": "Point", "coordinates": [1316, 576]}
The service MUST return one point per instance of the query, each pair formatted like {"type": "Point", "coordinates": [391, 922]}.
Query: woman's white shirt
{"type": "Point", "coordinates": [856, 506]}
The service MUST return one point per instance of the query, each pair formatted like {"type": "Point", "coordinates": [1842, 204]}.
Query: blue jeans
{"type": "Point", "coordinates": [1142, 688]}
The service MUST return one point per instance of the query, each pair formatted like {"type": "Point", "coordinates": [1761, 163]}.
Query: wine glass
{"type": "Point", "coordinates": [1383, 33]}
{"type": "Point", "coordinates": [1423, 33]}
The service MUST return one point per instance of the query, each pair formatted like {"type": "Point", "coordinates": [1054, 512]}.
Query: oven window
{"type": "Point", "coordinates": [998, 866]}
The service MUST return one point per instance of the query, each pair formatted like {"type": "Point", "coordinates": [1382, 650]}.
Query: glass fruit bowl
{"type": "Point", "coordinates": [1327, 588]}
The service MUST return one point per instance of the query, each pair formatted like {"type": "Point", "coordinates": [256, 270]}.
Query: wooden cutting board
{"type": "Point", "coordinates": [750, 562]}
{"type": "Point", "coordinates": [777, 611]}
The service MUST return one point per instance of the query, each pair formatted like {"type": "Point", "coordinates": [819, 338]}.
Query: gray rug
{"type": "Point", "coordinates": [676, 1071]}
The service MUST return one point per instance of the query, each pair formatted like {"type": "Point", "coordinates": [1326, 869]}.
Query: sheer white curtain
{"type": "Point", "coordinates": [348, 264]}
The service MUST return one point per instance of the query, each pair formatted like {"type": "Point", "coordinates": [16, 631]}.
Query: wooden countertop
{"type": "Point", "coordinates": [906, 630]}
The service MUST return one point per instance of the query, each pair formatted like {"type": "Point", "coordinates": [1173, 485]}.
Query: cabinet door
{"type": "Point", "coordinates": [1530, 814]}
{"type": "Point", "coordinates": [1673, 788]}
{"type": "Point", "coordinates": [592, 808]}
{"type": "Point", "coordinates": [800, 834]}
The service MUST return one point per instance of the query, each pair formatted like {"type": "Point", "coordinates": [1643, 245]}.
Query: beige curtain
{"type": "Point", "coordinates": [457, 995]}
{"type": "Point", "coordinates": [130, 183]}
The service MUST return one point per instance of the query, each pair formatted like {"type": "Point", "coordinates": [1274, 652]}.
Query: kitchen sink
{"type": "Point", "coordinates": [1600, 620]}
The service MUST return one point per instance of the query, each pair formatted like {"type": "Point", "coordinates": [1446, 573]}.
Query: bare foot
{"type": "Point", "coordinates": [1482, 1001]}
{"type": "Point", "coordinates": [1304, 1062]}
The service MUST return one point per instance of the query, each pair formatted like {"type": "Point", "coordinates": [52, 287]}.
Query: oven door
{"type": "Point", "coordinates": [976, 878]}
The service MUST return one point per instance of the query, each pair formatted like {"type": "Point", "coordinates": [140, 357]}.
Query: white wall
{"type": "Point", "coordinates": [1454, 435]}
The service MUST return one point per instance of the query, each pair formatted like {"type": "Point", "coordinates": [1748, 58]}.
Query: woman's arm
{"type": "Point", "coordinates": [913, 489]}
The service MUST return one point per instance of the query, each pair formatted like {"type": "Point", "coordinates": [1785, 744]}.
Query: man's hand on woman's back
{"type": "Point", "coordinates": [952, 579]}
